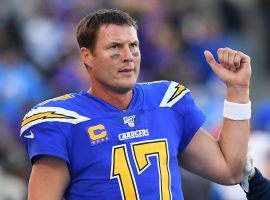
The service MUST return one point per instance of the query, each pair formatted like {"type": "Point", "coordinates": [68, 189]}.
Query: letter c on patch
{"type": "Point", "coordinates": [97, 132]}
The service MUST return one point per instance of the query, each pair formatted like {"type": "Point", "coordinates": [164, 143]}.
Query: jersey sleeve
{"type": "Point", "coordinates": [45, 131]}
{"type": "Point", "coordinates": [193, 120]}
{"type": "Point", "coordinates": [45, 139]}
{"type": "Point", "coordinates": [179, 98]}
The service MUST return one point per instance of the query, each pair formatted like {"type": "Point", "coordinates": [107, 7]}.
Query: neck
{"type": "Point", "coordinates": [120, 101]}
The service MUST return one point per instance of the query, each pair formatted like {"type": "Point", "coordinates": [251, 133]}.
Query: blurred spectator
{"type": "Point", "coordinates": [261, 117]}
{"type": "Point", "coordinates": [265, 13]}
{"type": "Point", "coordinates": [73, 79]}
{"type": "Point", "coordinates": [37, 42]}
{"type": "Point", "coordinates": [260, 138]}
{"type": "Point", "coordinates": [20, 84]}
{"type": "Point", "coordinates": [43, 39]}
{"type": "Point", "coordinates": [195, 187]}
{"type": "Point", "coordinates": [11, 187]}
{"type": "Point", "coordinates": [13, 168]}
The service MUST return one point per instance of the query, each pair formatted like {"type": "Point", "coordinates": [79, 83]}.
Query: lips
{"type": "Point", "coordinates": [126, 69]}
{"type": "Point", "coordinates": [126, 72]}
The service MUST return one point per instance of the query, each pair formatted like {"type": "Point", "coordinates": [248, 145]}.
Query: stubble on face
{"type": "Point", "coordinates": [107, 74]}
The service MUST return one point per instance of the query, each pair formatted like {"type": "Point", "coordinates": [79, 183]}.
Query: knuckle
{"type": "Point", "coordinates": [239, 53]}
{"type": "Point", "coordinates": [220, 50]}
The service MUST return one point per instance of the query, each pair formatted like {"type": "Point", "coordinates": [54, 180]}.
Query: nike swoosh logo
{"type": "Point", "coordinates": [31, 136]}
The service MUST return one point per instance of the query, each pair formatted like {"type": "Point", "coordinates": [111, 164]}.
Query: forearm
{"type": "Point", "coordinates": [234, 136]}
{"type": "Point", "coordinates": [223, 161]}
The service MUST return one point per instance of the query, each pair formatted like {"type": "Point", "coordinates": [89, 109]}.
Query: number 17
{"type": "Point", "coordinates": [141, 152]}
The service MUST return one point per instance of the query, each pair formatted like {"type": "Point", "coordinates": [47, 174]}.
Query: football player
{"type": "Point", "coordinates": [121, 139]}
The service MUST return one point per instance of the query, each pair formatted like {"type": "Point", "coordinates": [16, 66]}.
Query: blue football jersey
{"type": "Point", "coordinates": [115, 154]}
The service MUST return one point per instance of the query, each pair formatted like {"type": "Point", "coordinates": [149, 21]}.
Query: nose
{"type": "Point", "coordinates": [127, 55]}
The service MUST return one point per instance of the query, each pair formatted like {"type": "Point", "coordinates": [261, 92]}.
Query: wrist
{"type": "Point", "coordinates": [252, 173]}
{"type": "Point", "coordinates": [249, 172]}
{"type": "Point", "coordinates": [238, 94]}
{"type": "Point", "coordinates": [237, 111]}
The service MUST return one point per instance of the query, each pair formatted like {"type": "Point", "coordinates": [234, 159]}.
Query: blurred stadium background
{"type": "Point", "coordinates": [39, 59]}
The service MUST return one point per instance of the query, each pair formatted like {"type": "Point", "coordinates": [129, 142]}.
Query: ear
{"type": "Point", "coordinates": [86, 56]}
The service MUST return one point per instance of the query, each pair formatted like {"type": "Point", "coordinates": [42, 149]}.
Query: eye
{"type": "Point", "coordinates": [115, 46]}
{"type": "Point", "coordinates": [133, 45]}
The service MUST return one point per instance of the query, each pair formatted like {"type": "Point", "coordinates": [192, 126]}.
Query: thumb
{"type": "Point", "coordinates": [211, 60]}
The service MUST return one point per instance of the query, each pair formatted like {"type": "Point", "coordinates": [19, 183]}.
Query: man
{"type": "Point", "coordinates": [254, 184]}
{"type": "Point", "coordinates": [122, 140]}
{"type": "Point", "coordinates": [259, 187]}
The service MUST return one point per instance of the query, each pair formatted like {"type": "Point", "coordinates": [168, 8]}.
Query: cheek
{"type": "Point", "coordinates": [111, 60]}
{"type": "Point", "coordinates": [137, 55]}
{"type": "Point", "coordinates": [115, 56]}
{"type": "Point", "coordinates": [106, 68]}
{"type": "Point", "coordinates": [137, 59]}
{"type": "Point", "coordinates": [105, 63]}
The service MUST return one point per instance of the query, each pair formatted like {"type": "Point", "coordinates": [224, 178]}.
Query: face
{"type": "Point", "coordinates": [115, 63]}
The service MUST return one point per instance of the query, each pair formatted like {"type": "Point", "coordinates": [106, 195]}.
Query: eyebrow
{"type": "Point", "coordinates": [121, 43]}
{"type": "Point", "coordinates": [113, 43]}
{"type": "Point", "coordinates": [135, 42]}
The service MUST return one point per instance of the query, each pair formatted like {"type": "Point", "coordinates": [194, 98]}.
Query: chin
{"type": "Point", "coordinates": [124, 88]}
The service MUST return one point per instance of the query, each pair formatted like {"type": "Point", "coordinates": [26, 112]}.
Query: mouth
{"type": "Point", "coordinates": [126, 71]}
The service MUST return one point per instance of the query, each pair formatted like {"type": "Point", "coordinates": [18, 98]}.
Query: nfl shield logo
{"type": "Point", "coordinates": [129, 120]}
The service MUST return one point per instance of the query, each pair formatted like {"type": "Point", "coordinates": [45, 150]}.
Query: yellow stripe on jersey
{"type": "Point", "coordinates": [173, 94]}
{"type": "Point", "coordinates": [179, 89]}
{"type": "Point", "coordinates": [45, 115]}
{"type": "Point", "coordinates": [51, 114]}
{"type": "Point", "coordinates": [63, 97]}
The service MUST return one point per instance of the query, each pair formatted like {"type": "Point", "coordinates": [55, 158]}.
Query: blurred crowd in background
{"type": "Point", "coordinates": [39, 59]}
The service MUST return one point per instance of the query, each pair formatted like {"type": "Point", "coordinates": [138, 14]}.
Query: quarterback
{"type": "Point", "coordinates": [125, 140]}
